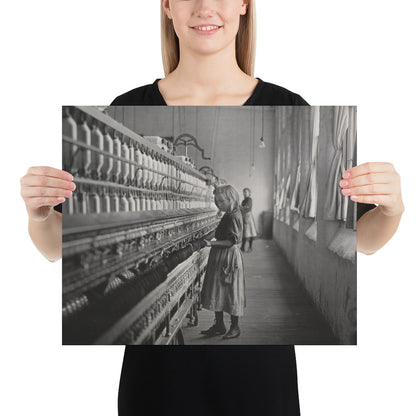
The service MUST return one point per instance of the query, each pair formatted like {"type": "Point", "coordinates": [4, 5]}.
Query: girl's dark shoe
{"type": "Point", "coordinates": [234, 332]}
{"type": "Point", "coordinates": [215, 330]}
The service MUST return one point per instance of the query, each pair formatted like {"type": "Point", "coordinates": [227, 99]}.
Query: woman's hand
{"type": "Point", "coordinates": [207, 243]}
{"type": "Point", "coordinates": [374, 183]}
{"type": "Point", "coordinates": [44, 187]}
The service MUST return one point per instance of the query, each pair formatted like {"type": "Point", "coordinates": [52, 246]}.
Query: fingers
{"type": "Point", "coordinates": [367, 168]}
{"type": "Point", "coordinates": [47, 181]}
{"type": "Point", "coordinates": [370, 189]}
{"type": "Point", "coordinates": [44, 181]}
{"type": "Point", "coordinates": [371, 179]}
{"type": "Point", "coordinates": [34, 191]}
{"type": "Point", "coordinates": [374, 183]}
{"type": "Point", "coordinates": [49, 171]}
{"type": "Point", "coordinates": [44, 187]}
{"type": "Point", "coordinates": [367, 179]}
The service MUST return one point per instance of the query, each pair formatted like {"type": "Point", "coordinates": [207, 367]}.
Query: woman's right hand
{"type": "Point", "coordinates": [44, 187]}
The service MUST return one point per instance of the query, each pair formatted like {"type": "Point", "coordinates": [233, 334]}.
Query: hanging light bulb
{"type": "Point", "coordinates": [262, 145]}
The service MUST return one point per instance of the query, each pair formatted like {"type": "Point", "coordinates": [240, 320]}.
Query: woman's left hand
{"type": "Point", "coordinates": [374, 183]}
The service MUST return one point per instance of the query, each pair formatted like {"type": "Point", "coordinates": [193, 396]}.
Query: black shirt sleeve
{"type": "Point", "coordinates": [298, 100]}
{"type": "Point", "coordinates": [145, 95]}
{"type": "Point", "coordinates": [363, 208]}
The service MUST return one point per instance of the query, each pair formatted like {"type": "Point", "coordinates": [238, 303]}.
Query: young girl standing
{"type": "Point", "coordinates": [223, 289]}
{"type": "Point", "coordinates": [208, 54]}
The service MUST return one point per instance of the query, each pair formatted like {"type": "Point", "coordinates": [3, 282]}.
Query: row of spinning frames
{"type": "Point", "coordinates": [133, 265]}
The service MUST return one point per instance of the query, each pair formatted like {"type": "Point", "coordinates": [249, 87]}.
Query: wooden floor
{"type": "Point", "coordinates": [278, 309]}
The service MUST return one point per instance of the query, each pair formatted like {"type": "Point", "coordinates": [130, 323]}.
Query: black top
{"type": "Point", "coordinates": [246, 205]}
{"type": "Point", "coordinates": [264, 94]}
{"type": "Point", "coordinates": [210, 380]}
{"type": "Point", "coordinates": [230, 227]}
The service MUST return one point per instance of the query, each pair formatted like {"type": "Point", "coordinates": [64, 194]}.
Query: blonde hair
{"type": "Point", "coordinates": [245, 44]}
{"type": "Point", "coordinates": [230, 193]}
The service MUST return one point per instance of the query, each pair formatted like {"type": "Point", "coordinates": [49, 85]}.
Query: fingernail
{"type": "Point", "coordinates": [346, 175]}
{"type": "Point", "coordinates": [68, 194]}
{"type": "Point", "coordinates": [354, 197]}
{"type": "Point", "coordinates": [346, 191]}
{"type": "Point", "coordinates": [344, 183]}
{"type": "Point", "coordinates": [60, 199]}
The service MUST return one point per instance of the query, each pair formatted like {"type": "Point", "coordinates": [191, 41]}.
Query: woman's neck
{"type": "Point", "coordinates": [208, 70]}
{"type": "Point", "coordinates": [213, 79]}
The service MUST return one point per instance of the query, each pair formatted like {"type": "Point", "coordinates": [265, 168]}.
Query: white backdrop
{"type": "Point", "coordinates": [87, 52]}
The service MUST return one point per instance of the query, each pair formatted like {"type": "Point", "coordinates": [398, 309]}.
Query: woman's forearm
{"type": "Point", "coordinates": [47, 235]}
{"type": "Point", "coordinates": [375, 229]}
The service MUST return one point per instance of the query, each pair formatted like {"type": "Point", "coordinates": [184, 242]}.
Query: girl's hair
{"type": "Point", "coordinates": [247, 189]}
{"type": "Point", "coordinates": [230, 193]}
{"type": "Point", "coordinates": [245, 44]}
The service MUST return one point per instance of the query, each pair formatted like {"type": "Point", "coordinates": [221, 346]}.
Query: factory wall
{"type": "Point", "coordinates": [321, 250]}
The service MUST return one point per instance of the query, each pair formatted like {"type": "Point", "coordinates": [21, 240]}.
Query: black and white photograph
{"type": "Point", "coordinates": [209, 226]}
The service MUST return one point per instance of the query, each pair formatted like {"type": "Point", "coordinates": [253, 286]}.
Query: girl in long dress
{"type": "Point", "coordinates": [223, 289]}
